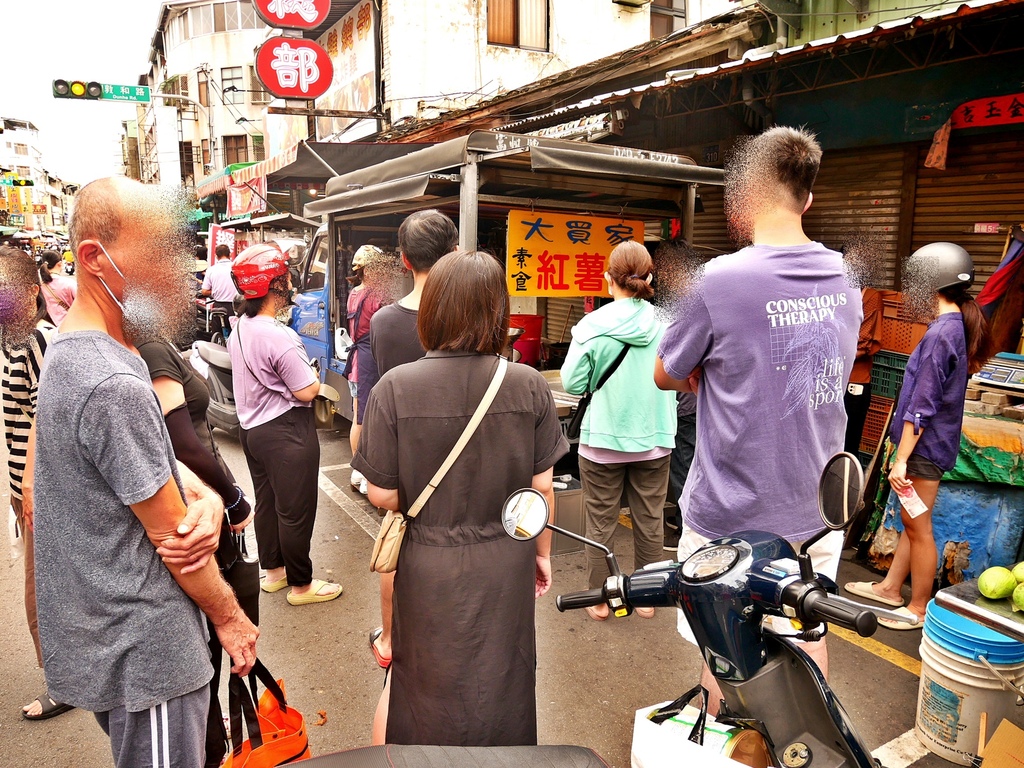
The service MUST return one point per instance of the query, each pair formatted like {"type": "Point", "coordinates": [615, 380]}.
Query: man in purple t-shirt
{"type": "Point", "coordinates": [770, 332]}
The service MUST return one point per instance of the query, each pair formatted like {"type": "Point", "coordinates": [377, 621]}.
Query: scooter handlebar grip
{"type": "Point", "coordinates": [579, 599]}
{"type": "Point", "coordinates": [819, 608]}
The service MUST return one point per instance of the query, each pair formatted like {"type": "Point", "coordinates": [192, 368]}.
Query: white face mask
{"type": "Point", "coordinates": [144, 316]}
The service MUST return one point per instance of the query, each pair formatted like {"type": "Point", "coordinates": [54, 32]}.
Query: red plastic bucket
{"type": "Point", "coordinates": [529, 343]}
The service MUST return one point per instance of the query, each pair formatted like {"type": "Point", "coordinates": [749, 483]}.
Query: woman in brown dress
{"type": "Point", "coordinates": [464, 650]}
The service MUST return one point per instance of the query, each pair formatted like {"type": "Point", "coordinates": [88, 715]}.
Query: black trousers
{"type": "Point", "coordinates": [856, 413]}
{"type": "Point", "coordinates": [284, 462]}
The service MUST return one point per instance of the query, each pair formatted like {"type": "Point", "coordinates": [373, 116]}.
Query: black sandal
{"type": "Point", "coordinates": [49, 710]}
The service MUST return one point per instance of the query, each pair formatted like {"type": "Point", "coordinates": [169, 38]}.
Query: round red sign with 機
{"type": "Point", "coordinates": [293, 68]}
{"type": "Point", "coordinates": [293, 14]}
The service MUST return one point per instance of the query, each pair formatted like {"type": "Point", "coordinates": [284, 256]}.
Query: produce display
{"type": "Point", "coordinates": [998, 583]}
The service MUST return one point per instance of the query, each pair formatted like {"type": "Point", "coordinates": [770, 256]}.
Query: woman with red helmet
{"type": "Point", "coordinates": [274, 386]}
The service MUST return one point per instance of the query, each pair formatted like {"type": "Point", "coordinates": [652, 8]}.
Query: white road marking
{"type": "Point", "coordinates": [350, 508]}
{"type": "Point", "coordinates": [905, 750]}
{"type": "Point", "coordinates": [335, 467]}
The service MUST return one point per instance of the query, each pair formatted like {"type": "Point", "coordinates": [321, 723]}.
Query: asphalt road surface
{"type": "Point", "coordinates": [591, 676]}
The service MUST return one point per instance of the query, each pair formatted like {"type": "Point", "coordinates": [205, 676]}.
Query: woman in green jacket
{"type": "Point", "coordinates": [629, 430]}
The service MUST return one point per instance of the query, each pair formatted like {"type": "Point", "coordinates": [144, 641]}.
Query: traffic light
{"type": "Point", "coordinates": [77, 89]}
{"type": "Point", "coordinates": [22, 183]}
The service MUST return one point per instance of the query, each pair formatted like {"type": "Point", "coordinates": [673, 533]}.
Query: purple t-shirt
{"type": "Point", "coordinates": [934, 387]}
{"type": "Point", "coordinates": [277, 366]}
{"type": "Point", "coordinates": [775, 331]}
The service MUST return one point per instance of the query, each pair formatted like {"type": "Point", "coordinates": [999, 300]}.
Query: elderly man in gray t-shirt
{"type": "Point", "coordinates": [122, 575]}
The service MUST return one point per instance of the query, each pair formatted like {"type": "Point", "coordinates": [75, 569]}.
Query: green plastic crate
{"type": "Point", "coordinates": [887, 373]}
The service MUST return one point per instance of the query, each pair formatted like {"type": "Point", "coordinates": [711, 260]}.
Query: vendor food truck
{"type": "Point", "coordinates": [550, 210]}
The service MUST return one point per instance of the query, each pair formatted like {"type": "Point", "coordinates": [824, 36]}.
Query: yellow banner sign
{"type": "Point", "coordinates": [15, 205]}
{"type": "Point", "coordinates": [554, 254]}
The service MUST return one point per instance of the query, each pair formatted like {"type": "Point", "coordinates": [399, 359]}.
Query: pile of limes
{"type": "Point", "coordinates": [999, 583]}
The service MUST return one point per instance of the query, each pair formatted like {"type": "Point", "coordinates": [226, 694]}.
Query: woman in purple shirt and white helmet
{"type": "Point", "coordinates": [928, 416]}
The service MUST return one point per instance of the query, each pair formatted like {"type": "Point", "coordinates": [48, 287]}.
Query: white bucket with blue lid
{"type": "Point", "coordinates": [966, 669]}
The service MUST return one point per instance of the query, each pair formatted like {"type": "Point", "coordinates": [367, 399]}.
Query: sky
{"type": "Point", "coordinates": [103, 40]}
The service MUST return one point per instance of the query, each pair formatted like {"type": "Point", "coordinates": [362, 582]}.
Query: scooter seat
{"type": "Point", "coordinates": [399, 756]}
{"type": "Point", "coordinates": [214, 354]}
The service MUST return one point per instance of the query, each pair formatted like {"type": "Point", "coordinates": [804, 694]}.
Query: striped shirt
{"type": "Point", "coordinates": [20, 383]}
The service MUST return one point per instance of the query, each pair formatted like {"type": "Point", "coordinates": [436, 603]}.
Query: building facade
{"type": "Point", "coordinates": [209, 113]}
{"type": "Point", "coordinates": [41, 204]}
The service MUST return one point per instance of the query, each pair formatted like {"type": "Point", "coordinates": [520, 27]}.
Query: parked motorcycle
{"type": "Point", "coordinates": [726, 590]}
{"type": "Point", "coordinates": [213, 322]}
{"type": "Point", "coordinates": [222, 412]}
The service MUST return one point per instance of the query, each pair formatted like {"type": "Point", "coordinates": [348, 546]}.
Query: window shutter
{"type": "Point", "coordinates": [533, 24]}
{"type": "Point", "coordinates": [259, 96]}
{"type": "Point", "coordinates": [501, 22]}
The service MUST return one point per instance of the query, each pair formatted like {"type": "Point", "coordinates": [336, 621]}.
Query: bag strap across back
{"type": "Point", "coordinates": [467, 433]}
{"type": "Point", "coordinates": [614, 367]}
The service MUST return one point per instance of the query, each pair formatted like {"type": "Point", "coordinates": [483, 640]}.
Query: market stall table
{"type": "Point", "coordinates": [965, 599]}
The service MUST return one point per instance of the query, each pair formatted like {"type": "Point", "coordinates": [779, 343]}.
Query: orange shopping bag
{"type": "Point", "coordinates": [277, 733]}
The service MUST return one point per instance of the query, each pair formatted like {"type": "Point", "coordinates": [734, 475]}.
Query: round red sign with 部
{"type": "Point", "coordinates": [293, 68]}
{"type": "Point", "coordinates": [293, 14]}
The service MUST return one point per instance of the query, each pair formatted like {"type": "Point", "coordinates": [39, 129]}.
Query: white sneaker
{"type": "Point", "coordinates": [362, 486]}
{"type": "Point", "coordinates": [356, 480]}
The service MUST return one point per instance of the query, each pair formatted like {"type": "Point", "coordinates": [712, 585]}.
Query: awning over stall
{"type": "Point", "coordinates": [520, 169]}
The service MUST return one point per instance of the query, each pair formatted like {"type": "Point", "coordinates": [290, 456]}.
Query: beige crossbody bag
{"type": "Point", "coordinates": [392, 530]}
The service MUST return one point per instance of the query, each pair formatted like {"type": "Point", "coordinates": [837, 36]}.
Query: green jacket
{"type": "Point", "coordinates": [629, 413]}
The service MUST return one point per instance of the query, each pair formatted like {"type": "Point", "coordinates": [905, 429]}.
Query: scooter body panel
{"type": "Point", "coordinates": [715, 596]}
{"type": "Point", "coordinates": [790, 696]}
{"type": "Point", "coordinates": [222, 412]}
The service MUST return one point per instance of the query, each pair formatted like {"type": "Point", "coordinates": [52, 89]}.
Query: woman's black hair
{"type": "Point", "coordinates": [252, 307]}
{"type": "Point", "coordinates": [47, 260]}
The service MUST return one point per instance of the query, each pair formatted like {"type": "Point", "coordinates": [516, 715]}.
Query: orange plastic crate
{"type": "Point", "coordinates": [874, 424]}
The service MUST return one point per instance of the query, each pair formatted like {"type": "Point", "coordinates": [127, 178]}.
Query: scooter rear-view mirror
{"type": "Point", "coordinates": [525, 514]}
{"type": "Point", "coordinates": [839, 491]}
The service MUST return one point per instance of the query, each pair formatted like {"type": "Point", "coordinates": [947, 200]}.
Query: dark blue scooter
{"type": "Point", "coordinates": [726, 590]}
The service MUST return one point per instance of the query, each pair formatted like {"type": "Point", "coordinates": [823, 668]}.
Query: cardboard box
{"type": "Point", "coordinates": [1005, 748]}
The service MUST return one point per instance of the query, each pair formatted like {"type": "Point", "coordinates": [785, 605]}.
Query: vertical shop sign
{"type": "Point", "coordinates": [351, 45]}
{"type": "Point", "coordinates": [553, 254]}
{"type": "Point", "coordinates": [220, 236]}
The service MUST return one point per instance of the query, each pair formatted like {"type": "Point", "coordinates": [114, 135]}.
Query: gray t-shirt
{"type": "Point", "coordinates": [115, 627]}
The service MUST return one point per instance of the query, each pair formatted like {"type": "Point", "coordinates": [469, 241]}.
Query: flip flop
{"type": "Point", "coordinates": [314, 596]}
{"type": "Point", "coordinates": [52, 709]}
{"type": "Point", "coordinates": [273, 586]}
{"type": "Point", "coordinates": [592, 613]}
{"type": "Point", "coordinates": [644, 613]}
{"type": "Point", "coordinates": [863, 589]}
{"type": "Point", "coordinates": [899, 625]}
{"type": "Point", "coordinates": [382, 661]}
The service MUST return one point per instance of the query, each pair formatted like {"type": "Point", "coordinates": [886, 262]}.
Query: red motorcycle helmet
{"type": "Point", "coordinates": [256, 267]}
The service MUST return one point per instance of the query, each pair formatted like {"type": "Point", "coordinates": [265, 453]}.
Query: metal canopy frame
{"type": "Point", "coordinates": [513, 170]}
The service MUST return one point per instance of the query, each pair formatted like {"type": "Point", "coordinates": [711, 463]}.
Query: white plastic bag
{"type": "Point", "coordinates": [16, 535]}
{"type": "Point", "coordinates": [668, 745]}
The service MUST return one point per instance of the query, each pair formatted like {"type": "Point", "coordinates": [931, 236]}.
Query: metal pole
{"type": "Point", "coordinates": [469, 191]}
{"type": "Point", "coordinates": [688, 212]}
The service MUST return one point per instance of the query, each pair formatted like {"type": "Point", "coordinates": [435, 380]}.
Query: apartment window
{"type": "Point", "coordinates": [20, 149]}
{"type": "Point", "coordinates": [258, 151]}
{"type": "Point", "coordinates": [23, 171]}
{"type": "Point", "coordinates": [247, 18]}
{"type": "Point", "coordinates": [232, 76]}
{"type": "Point", "coordinates": [518, 23]}
{"type": "Point", "coordinates": [187, 161]}
{"type": "Point", "coordinates": [206, 152]}
{"type": "Point", "coordinates": [667, 16]}
{"type": "Point", "coordinates": [203, 86]}
{"type": "Point", "coordinates": [235, 150]}
{"type": "Point", "coordinates": [256, 92]}
{"type": "Point", "coordinates": [201, 18]}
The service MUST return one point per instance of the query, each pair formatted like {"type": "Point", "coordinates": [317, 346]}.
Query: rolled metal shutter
{"type": "Point", "coordinates": [857, 198]}
{"type": "Point", "coordinates": [983, 183]}
{"type": "Point", "coordinates": [557, 312]}
{"type": "Point", "coordinates": [710, 230]}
